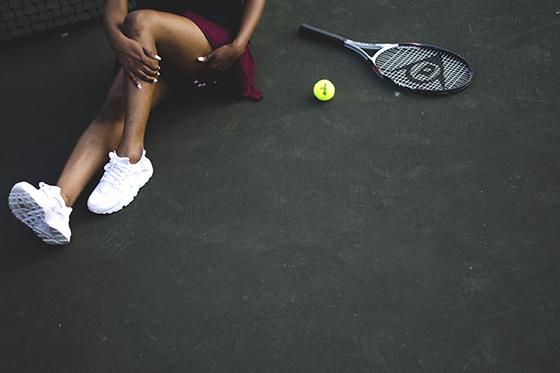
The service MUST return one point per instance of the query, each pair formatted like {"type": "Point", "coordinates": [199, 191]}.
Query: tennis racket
{"type": "Point", "coordinates": [417, 67]}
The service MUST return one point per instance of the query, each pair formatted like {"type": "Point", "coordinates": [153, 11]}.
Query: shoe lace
{"type": "Point", "coordinates": [115, 172]}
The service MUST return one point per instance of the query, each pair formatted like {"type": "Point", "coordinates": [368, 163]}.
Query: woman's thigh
{"type": "Point", "coordinates": [178, 40]}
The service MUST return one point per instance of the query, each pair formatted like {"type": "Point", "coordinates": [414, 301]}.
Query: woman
{"type": "Point", "coordinates": [193, 38]}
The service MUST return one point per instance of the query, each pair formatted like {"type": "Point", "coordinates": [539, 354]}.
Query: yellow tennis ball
{"type": "Point", "coordinates": [323, 90]}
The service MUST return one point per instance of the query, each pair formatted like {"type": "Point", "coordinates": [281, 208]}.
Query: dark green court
{"type": "Point", "coordinates": [380, 232]}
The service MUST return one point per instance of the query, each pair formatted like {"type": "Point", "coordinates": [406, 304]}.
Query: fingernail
{"type": "Point", "coordinates": [155, 80]}
{"type": "Point", "coordinates": [138, 85]}
{"type": "Point", "coordinates": [157, 57]}
{"type": "Point", "coordinates": [201, 59]}
{"type": "Point", "coordinates": [157, 73]}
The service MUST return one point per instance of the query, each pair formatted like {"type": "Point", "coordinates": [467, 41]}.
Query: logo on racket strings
{"type": "Point", "coordinates": [426, 70]}
{"type": "Point", "coordinates": [419, 73]}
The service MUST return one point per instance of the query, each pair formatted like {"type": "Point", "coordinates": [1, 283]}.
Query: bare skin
{"type": "Point", "coordinates": [141, 39]}
{"type": "Point", "coordinates": [102, 136]}
{"type": "Point", "coordinates": [169, 31]}
{"type": "Point", "coordinates": [121, 122]}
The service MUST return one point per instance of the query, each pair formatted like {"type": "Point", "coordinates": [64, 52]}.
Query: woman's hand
{"type": "Point", "coordinates": [222, 58]}
{"type": "Point", "coordinates": [137, 62]}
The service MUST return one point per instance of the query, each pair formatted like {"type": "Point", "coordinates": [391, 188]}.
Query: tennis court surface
{"type": "Point", "coordinates": [380, 232]}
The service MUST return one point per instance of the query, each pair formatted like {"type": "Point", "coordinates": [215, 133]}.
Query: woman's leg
{"type": "Point", "coordinates": [120, 124]}
{"type": "Point", "coordinates": [47, 210]}
{"type": "Point", "coordinates": [179, 41]}
{"type": "Point", "coordinates": [122, 120]}
{"type": "Point", "coordinates": [102, 136]}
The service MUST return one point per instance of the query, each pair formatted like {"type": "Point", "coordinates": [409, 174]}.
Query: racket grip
{"type": "Point", "coordinates": [316, 33]}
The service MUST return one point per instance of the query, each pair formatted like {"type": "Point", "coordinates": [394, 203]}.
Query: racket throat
{"type": "Point", "coordinates": [366, 50]}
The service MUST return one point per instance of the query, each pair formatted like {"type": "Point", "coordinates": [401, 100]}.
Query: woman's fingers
{"type": "Point", "coordinates": [151, 74]}
{"type": "Point", "coordinates": [151, 59]}
{"type": "Point", "coordinates": [208, 58]}
{"type": "Point", "coordinates": [139, 76]}
{"type": "Point", "coordinates": [134, 80]}
{"type": "Point", "coordinates": [211, 62]}
{"type": "Point", "coordinates": [149, 67]}
{"type": "Point", "coordinates": [140, 63]}
{"type": "Point", "coordinates": [141, 72]}
{"type": "Point", "coordinates": [144, 74]}
{"type": "Point", "coordinates": [151, 54]}
{"type": "Point", "coordinates": [220, 59]}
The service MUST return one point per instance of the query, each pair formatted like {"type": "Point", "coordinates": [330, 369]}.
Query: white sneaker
{"type": "Point", "coordinates": [42, 210]}
{"type": "Point", "coordinates": [120, 183]}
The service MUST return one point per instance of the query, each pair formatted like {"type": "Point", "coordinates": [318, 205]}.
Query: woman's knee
{"type": "Point", "coordinates": [139, 22]}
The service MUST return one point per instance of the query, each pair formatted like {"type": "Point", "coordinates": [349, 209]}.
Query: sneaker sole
{"type": "Point", "coordinates": [126, 203]}
{"type": "Point", "coordinates": [25, 209]}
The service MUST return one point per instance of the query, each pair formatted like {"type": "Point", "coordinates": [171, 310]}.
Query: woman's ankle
{"type": "Point", "coordinates": [134, 154]}
{"type": "Point", "coordinates": [68, 200]}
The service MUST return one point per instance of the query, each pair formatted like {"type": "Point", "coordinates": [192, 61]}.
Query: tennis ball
{"type": "Point", "coordinates": [323, 90]}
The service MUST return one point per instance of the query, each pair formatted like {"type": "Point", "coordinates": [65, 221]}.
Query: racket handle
{"type": "Point", "coordinates": [322, 35]}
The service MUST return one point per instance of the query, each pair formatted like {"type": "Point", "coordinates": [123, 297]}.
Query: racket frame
{"type": "Point", "coordinates": [361, 47]}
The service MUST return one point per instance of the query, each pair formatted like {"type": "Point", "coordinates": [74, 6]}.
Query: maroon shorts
{"type": "Point", "coordinates": [244, 69]}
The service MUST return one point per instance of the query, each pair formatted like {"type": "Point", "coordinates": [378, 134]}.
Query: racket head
{"type": "Point", "coordinates": [423, 68]}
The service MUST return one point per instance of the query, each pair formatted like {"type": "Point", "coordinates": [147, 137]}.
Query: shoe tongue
{"type": "Point", "coordinates": [118, 167]}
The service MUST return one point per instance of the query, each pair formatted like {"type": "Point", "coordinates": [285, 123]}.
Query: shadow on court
{"type": "Point", "coordinates": [380, 232]}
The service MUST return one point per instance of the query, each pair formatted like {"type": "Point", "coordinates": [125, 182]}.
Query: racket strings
{"type": "Point", "coordinates": [423, 68]}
